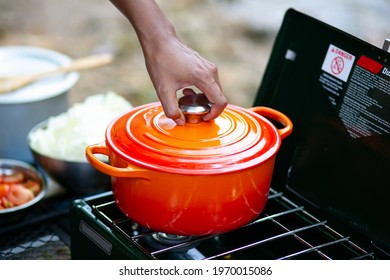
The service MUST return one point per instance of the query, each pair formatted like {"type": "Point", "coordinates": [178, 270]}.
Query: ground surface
{"type": "Point", "coordinates": [236, 35]}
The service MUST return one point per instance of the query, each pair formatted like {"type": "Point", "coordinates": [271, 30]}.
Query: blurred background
{"type": "Point", "coordinates": [235, 35]}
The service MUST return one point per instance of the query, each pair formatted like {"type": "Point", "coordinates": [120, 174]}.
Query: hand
{"type": "Point", "coordinates": [173, 66]}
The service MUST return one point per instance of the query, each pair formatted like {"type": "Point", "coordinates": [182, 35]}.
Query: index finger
{"type": "Point", "coordinates": [171, 107]}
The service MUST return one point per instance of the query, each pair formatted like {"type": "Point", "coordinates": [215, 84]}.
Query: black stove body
{"type": "Point", "coordinates": [336, 89]}
{"type": "Point", "coordinates": [330, 189]}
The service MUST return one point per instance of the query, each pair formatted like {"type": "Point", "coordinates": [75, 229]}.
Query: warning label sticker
{"type": "Point", "coordinates": [338, 63]}
{"type": "Point", "coordinates": [364, 108]}
{"type": "Point", "coordinates": [359, 91]}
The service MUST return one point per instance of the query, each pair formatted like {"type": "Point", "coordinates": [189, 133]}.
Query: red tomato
{"type": "Point", "coordinates": [19, 195]}
{"type": "Point", "coordinates": [12, 177]}
{"type": "Point", "coordinates": [16, 188]}
{"type": "Point", "coordinates": [33, 186]}
{"type": "Point", "coordinates": [4, 188]}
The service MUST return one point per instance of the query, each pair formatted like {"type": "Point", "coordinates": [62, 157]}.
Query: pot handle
{"type": "Point", "coordinates": [276, 116]}
{"type": "Point", "coordinates": [130, 171]}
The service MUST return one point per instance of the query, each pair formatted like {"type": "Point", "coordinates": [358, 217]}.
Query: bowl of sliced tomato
{"type": "Point", "coordinates": [21, 187]}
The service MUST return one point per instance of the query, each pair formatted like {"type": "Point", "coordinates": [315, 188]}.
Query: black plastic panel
{"type": "Point", "coordinates": [338, 156]}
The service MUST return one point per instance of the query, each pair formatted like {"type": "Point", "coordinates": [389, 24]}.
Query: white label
{"type": "Point", "coordinates": [338, 63]}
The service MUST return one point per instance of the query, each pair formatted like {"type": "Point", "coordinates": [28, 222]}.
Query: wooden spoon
{"type": "Point", "coordinates": [13, 83]}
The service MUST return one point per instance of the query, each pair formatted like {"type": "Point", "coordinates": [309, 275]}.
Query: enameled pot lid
{"type": "Point", "coordinates": [236, 140]}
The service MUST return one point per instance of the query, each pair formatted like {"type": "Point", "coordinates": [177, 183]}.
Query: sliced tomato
{"type": "Point", "coordinates": [13, 177]}
{"type": "Point", "coordinates": [33, 186]}
{"type": "Point", "coordinates": [19, 195]}
{"type": "Point", "coordinates": [4, 188]}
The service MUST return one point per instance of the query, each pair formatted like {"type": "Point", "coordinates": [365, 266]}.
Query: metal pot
{"type": "Point", "coordinates": [197, 179]}
{"type": "Point", "coordinates": [22, 109]}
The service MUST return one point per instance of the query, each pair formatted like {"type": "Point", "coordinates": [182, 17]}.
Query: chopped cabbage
{"type": "Point", "coordinates": [68, 134]}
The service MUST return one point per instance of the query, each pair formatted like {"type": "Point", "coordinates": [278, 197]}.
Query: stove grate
{"type": "Point", "coordinates": [284, 230]}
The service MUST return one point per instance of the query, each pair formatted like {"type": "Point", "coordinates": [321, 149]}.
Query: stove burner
{"type": "Point", "coordinates": [176, 243]}
{"type": "Point", "coordinates": [170, 239]}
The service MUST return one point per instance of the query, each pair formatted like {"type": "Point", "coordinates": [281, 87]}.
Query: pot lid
{"type": "Point", "coordinates": [23, 60]}
{"type": "Point", "coordinates": [236, 140]}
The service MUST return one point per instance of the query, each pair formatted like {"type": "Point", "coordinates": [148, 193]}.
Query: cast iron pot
{"type": "Point", "coordinates": [197, 179]}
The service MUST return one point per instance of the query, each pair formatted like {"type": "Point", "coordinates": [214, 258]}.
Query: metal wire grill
{"type": "Point", "coordinates": [33, 244]}
{"type": "Point", "coordinates": [284, 230]}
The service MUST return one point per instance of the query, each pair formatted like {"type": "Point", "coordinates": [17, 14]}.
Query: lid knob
{"type": "Point", "coordinates": [194, 107]}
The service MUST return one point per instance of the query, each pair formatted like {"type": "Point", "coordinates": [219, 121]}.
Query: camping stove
{"type": "Point", "coordinates": [284, 230]}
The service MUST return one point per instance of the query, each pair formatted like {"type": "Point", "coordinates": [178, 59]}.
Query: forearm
{"type": "Point", "coordinates": [147, 19]}
{"type": "Point", "coordinates": [170, 63]}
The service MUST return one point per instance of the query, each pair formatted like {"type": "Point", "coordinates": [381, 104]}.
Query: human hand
{"type": "Point", "coordinates": [173, 66]}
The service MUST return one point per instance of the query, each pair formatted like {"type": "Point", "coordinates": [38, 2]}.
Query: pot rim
{"type": "Point", "coordinates": [122, 140]}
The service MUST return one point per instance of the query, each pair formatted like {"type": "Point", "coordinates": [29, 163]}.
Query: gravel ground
{"type": "Point", "coordinates": [236, 35]}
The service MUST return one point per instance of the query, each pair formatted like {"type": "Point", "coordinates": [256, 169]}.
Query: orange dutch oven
{"type": "Point", "coordinates": [198, 179]}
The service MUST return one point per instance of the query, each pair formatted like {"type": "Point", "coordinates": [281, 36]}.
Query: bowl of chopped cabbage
{"type": "Point", "coordinates": [58, 144]}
